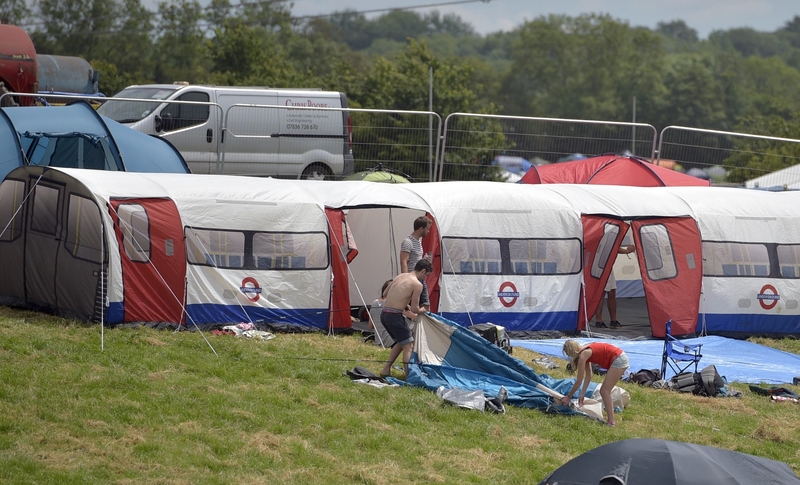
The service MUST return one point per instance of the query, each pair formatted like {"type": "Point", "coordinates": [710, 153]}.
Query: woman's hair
{"type": "Point", "coordinates": [571, 349]}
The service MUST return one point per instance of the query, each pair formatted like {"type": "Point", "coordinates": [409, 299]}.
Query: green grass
{"type": "Point", "coordinates": [159, 407]}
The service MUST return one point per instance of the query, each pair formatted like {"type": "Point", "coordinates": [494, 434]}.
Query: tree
{"type": "Point", "coordinates": [14, 12]}
{"type": "Point", "coordinates": [587, 67]}
{"type": "Point", "coordinates": [678, 30]}
{"type": "Point", "coordinates": [179, 52]}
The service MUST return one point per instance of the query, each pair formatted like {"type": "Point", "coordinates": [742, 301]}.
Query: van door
{"type": "Point", "coordinates": [153, 255]}
{"type": "Point", "coordinates": [669, 251]}
{"type": "Point", "coordinates": [311, 140]}
{"type": "Point", "coordinates": [602, 238]}
{"type": "Point", "coordinates": [252, 141]}
{"type": "Point", "coordinates": [192, 128]}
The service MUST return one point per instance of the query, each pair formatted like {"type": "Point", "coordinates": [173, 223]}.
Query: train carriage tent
{"type": "Point", "coordinates": [208, 249]}
{"type": "Point", "coordinates": [127, 247]}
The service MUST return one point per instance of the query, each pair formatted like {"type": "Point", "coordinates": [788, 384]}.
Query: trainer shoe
{"type": "Point", "coordinates": [600, 325]}
{"type": "Point", "coordinates": [616, 324]}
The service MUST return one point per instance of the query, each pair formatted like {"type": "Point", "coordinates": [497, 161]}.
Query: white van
{"type": "Point", "coordinates": [244, 130]}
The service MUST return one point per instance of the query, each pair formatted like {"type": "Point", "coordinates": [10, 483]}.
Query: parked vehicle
{"type": "Point", "coordinates": [244, 130]}
{"type": "Point", "coordinates": [22, 70]}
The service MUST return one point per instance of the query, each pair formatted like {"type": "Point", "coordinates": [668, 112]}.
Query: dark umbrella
{"type": "Point", "coordinates": [660, 462]}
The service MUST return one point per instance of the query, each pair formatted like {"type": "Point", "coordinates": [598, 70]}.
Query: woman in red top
{"type": "Point", "coordinates": [606, 356]}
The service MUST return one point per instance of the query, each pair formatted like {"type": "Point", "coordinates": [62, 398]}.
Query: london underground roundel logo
{"type": "Point", "coordinates": [508, 294]}
{"type": "Point", "coordinates": [251, 289]}
{"type": "Point", "coordinates": [768, 297]}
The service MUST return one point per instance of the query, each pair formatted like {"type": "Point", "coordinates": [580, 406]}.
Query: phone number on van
{"type": "Point", "coordinates": [297, 126]}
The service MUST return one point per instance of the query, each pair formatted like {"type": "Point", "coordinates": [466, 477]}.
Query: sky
{"type": "Point", "coordinates": [486, 17]}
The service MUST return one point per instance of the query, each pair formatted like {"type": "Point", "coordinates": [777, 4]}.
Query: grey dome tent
{"type": "Point", "coordinates": [661, 462]}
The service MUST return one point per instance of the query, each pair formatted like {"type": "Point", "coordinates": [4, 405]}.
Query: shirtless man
{"type": "Point", "coordinates": [402, 300]}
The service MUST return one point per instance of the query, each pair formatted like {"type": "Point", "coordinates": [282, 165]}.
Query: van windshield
{"type": "Point", "coordinates": [132, 111]}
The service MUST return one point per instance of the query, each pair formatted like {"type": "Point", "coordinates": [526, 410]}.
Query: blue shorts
{"type": "Point", "coordinates": [395, 323]}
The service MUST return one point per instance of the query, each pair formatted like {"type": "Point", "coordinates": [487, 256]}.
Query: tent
{"type": "Point", "coordinates": [76, 136]}
{"type": "Point", "coordinates": [446, 354]}
{"type": "Point", "coordinates": [786, 178]}
{"type": "Point", "coordinates": [610, 170]}
{"type": "Point", "coordinates": [122, 247]}
{"type": "Point", "coordinates": [644, 461]}
{"type": "Point", "coordinates": [527, 257]}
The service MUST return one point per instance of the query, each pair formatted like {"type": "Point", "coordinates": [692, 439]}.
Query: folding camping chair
{"type": "Point", "coordinates": [678, 355]}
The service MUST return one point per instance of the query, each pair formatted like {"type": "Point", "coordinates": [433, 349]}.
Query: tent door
{"type": "Point", "coordinates": [42, 243]}
{"type": "Point", "coordinates": [602, 238]}
{"type": "Point", "coordinates": [153, 255]}
{"type": "Point", "coordinates": [670, 257]}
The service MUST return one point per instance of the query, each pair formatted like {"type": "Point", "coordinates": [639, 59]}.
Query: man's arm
{"type": "Point", "coordinates": [404, 261]}
{"type": "Point", "coordinates": [415, 308]}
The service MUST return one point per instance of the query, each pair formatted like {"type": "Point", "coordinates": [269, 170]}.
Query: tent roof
{"type": "Point", "coordinates": [609, 170]}
{"type": "Point", "coordinates": [138, 152]}
{"type": "Point", "coordinates": [789, 177]}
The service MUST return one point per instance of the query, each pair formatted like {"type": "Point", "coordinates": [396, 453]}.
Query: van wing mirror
{"type": "Point", "coordinates": [164, 122]}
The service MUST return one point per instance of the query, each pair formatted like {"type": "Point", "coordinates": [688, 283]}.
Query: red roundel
{"type": "Point", "coordinates": [768, 300]}
{"type": "Point", "coordinates": [251, 289]}
{"type": "Point", "coordinates": [508, 294]}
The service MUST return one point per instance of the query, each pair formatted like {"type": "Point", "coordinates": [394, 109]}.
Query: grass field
{"type": "Point", "coordinates": [155, 406]}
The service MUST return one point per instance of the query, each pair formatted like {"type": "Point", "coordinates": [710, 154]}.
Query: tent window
{"type": "Point", "coordinates": [135, 226]}
{"type": "Point", "coordinates": [221, 249]}
{"type": "Point", "coordinates": [544, 256]}
{"type": "Point", "coordinates": [789, 260]}
{"type": "Point", "coordinates": [611, 232]}
{"type": "Point", "coordinates": [285, 251]}
{"type": "Point", "coordinates": [732, 259]}
{"type": "Point", "coordinates": [472, 256]}
{"type": "Point", "coordinates": [659, 256]}
{"type": "Point", "coordinates": [12, 192]}
{"type": "Point", "coordinates": [177, 116]}
{"type": "Point", "coordinates": [84, 226]}
{"type": "Point", "coordinates": [45, 210]}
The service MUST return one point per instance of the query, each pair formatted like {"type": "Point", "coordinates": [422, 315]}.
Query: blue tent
{"type": "Point", "coordinates": [75, 136]}
{"type": "Point", "coordinates": [447, 354]}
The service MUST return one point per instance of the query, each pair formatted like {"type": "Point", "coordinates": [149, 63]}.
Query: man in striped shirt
{"type": "Point", "coordinates": [411, 252]}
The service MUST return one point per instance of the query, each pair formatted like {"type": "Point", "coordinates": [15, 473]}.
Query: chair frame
{"type": "Point", "coordinates": [676, 352]}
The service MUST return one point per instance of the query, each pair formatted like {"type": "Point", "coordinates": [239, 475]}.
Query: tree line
{"type": "Point", "coordinates": [585, 67]}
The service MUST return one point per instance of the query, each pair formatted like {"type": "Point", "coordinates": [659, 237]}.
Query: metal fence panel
{"type": "Point", "coordinates": [489, 147]}
{"type": "Point", "coordinates": [734, 159]}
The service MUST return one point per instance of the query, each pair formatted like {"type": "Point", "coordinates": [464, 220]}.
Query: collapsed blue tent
{"type": "Point", "coordinates": [75, 136]}
{"type": "Point", "coordinates": [447, 354]}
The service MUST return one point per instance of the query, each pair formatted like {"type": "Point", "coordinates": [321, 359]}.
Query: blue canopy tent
{"type": "Point", "coordinates": [75, 136]}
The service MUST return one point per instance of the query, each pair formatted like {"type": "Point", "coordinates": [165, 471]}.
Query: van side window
{"type": "Point", "coordinates": [176, 116]}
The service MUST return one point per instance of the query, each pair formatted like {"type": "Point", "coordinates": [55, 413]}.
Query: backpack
{"type": "Point", "coordinates": [710, 382]}
{"type": "Point", "coordinates": [494, 334]}
{"type": "Point", "coordinates": [646, 377]}
{"type": "Point", "coordinates": [707, 382]}
{"type": "Point", "coordinates": [684, 382]}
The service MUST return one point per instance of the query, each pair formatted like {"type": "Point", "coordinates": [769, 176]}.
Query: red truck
{"type": "Point", "coordinates": [22, 70]}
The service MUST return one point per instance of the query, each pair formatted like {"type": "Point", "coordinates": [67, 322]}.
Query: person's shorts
{"type": "Point", "coordinates": [395, 323]}
{"type": "Point", "coordinates": [621, 362]}
{"type": "Point", "coordinates": [611, 284]}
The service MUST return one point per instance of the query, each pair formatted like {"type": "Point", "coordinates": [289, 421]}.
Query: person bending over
{"type": "Point", "coordinates": [606, 356]}
{"type": "Point", "coordinates": [402, 300]}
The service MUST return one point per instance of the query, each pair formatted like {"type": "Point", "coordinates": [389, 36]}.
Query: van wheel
{"type": "Point", "coordinates": [317, 171]}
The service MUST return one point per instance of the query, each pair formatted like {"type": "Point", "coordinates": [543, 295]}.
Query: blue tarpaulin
{"type": "Point", "coordinates": [446, 354]}
{"type": "Point", "coordinates": [737, 360]}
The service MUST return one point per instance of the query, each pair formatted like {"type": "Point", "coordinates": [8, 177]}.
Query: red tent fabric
{"type": "Point", "coordinates": [609, 170]}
